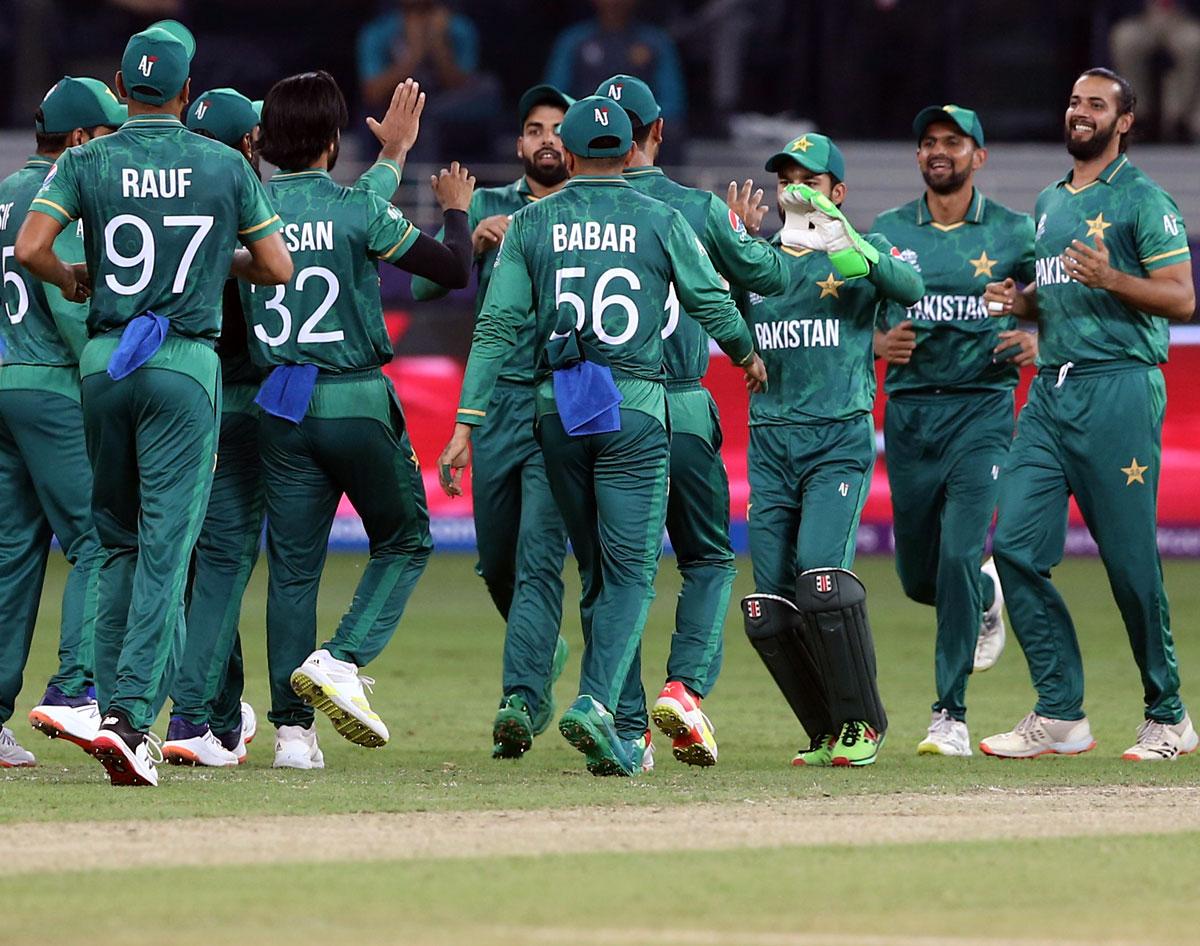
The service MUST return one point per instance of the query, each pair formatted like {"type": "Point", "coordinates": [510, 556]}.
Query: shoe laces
{"type": "Point", "coordinates": [1153, 732]}
{"type": "Point", "coordinates": [7, 738]}
{"type": "Point", "coordinates": [851, 733]}
{"type": "Point", "coordinates": [942, 724]}
{"type": "Point", "coordinates": [153, 748]}
{"type": "Point", "coordinates": [818, 742]}
{"type": "Point", "coordinates": [1030, 727]}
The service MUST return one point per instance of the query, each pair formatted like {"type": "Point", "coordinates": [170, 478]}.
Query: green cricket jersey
{"type": "Point", "coordinates": [42, 328]}
{"type": "Point", "coordinates": [598, 258]}
{"type": "Point", "coordinates": [329, 313]}
{"type": "Point", "coordinates": [163, 210]}
{"type": "Point", "coordinates": [955, 335]}
{"type": "Point", "coordinates": [741, 259]}
{"type": "Point", "coordinates": [488, 202]}
{"type": "Point", "coordinates": [1143, 230]}
{"type": "Point", "coordinates": [817, 339]}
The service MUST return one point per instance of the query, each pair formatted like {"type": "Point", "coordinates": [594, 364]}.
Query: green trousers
{"type": "Point", "coordinates": [45, 487]}
{"type": "Point", "coordinates": [945, 453]}
{"type": "Point", "coordinates": [1096, 434]}
{"type": "Point", "coordinates": [151, 438]}
{"type": "Point", "coordinates": [521, 539]}
{"type": "Point", "coordinates": [808, 485]}
{"type": "Point", "coordinates": [612, 492]}
{"type": "Point", "coordinates": [307, 467]}
{"type": "Point", "coordinates": [208, 685]}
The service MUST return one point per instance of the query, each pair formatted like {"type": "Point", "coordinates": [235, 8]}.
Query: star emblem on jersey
{"type": "Point", "coordinates": [801, 144]}
{"type": "Point", "coordinates": [983, 265]}
{"type": "Point", "coordinates": [1133, 472]}
{"type": "Point", "coordinates": [829, 286]}
{"type": "Point", "coordinates": [1097, 225]}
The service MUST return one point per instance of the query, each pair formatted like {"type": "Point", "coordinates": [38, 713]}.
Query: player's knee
{"type": "Point", "coordinates": [919, 588]}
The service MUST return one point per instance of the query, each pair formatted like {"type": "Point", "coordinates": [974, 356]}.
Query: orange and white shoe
{"type": "Point", "coordinates": [1039, 735]}
{"type": "Point", "coordinates": [194, 744]}
{"type": "Point", "coordinates": [677, 714]}
{"type": "Point", "coordinates": [1159, 742]}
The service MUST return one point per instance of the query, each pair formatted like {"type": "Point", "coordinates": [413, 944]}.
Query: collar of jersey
{"type": "Point", "coordinates": [153, 119]}
{"type": "Point", "coordinates": [522, 185]}
{"type": "Point", "coordinates": [1106, 176]}
{"type": "Point", "coordinates": [602, 179]}
{"type": "Point", "coordinates": [974, 212]}
{"type": "Point", "coordinates": [646, 170]}
{"type": "Point", "coordinates": [290, 175]}
{"type": "Point", "coordinates": [38, 160]}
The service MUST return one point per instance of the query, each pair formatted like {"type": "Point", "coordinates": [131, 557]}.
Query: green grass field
{"type": "Point", "coordinates": [437, 687]}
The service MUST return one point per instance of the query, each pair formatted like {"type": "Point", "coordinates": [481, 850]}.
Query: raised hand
{"type": "Point", "coordinates": [453, 187]}
{"type": "Point", "coordinates": [402, 122]}
{"type": "Point", "coordinates": [747, 205]}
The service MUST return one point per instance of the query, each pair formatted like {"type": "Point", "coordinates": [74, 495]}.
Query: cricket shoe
{"type": "Point", "coordinates": [946, 736]}
{"type": "Point", "coordinates": [857, 744]}
{"type": "Point", "coordinates": [194, 744]}
{"type": "Point", "coordinates": [819, 753]}
{"type": "Point", "coordinates": [296, 748]}
{"type": "Point", "coordinates": [73, 718]}
{"type": "Point", "coordinates": [677, 714]}
{"type": "Point", "coordinates": [590, 728]}
{"type": "Point", "coordinates": [641, 752]}
{"type": "Point", "coordinates": [992, 633]}
{"type": "Point", "coordinates": [236, 740]}
{"type": "Point", "coordinates": [128, 756]}
{"type": "Point", "coordinates": [545, 714]}
{"type": "Point", "coordinates": [12, 754]}
{"type": "Point", "coordinates": [249, 723]}
{"type": "Point", "coordinates": [335, 687]}
{"type": "Point", "coordinates": [1037, 735]}
{"type": "Point", "coordinates": [1162, 742]}
{"type": "Point", "coordinates": [512, 729]}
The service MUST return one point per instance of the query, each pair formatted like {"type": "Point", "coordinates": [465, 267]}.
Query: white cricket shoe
{"type": "Point", "coordinates": [127, 764]}
{"type": "Point", "coordinates": [77, 724]}
{"type": "Point", "coordinates": [992, 632]}
{"type": "Point", "coordinates": [946, 736]}
{"type": "Point", "coordinates": [1162, 742]}
{"type": "Point", "coordinates": [249, 725]}
{"type": "Point", "coordinates": [12, 754]}
{"type": "Point", "coordinates": [1036, 735]}
{"type": "Point", "coordinates": [296, 748]}
{"type": "Point", "coordinates": [204, 749]}
{"type": "Point", "coordinates": [335, 687]}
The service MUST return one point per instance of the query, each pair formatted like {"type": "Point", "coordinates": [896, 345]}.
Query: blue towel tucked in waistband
{"type": "Point", "coordinates": [587, 399]}
{"type": "Point", "coordinates": [287, 391]}
{"type": "Point", "coordinates": [143, 336]}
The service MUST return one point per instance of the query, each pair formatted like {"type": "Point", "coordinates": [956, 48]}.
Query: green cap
{"type": "Point", "coordinates": [633, 95]}
{"type": "Point", "coordinates": [963, 118]}
{"type": "Point", "coordinates": [596, 127]}
{"type": "Point", "coordinates": [79, 103]}
{"type": "Point", "coordinates": [225, 114]}
{"type": "Point", "coordinates": [816, 152]}
{"type": "Point", "coordinates": [541, 95]}
{"type": "Point", "coordinates": [157, 62]}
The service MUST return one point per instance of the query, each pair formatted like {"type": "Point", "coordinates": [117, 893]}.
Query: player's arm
{"type": "Point", "coordinates": [448, 262]}
{"type": "Point", "coordinates": [262, 258]}
{"type": "Point", "coordinates": [742, 259]}
{"type": "Point", "coordinates": [397, 133]}
{"type": "Point", "coordinates": [52, 210]}
{"type": "Point", "coordinates": [424, 290]}
{"type": "Point", "coordinates": [895, 279]}
{"type": "Point", "coordinates": [70, 318]}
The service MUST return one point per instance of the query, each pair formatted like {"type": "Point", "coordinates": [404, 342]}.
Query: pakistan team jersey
{"type": "Point", "coordinates": [817, 338]}
{"type": "Point", "coordinates": [42, 328]}
{"type": "Point", "coordinates": [328, 314]}
{"type": "Point", "coordinates": [598, 258]}
{"type": "Point", "coordinates": [489, 202]}
{"type": "Point", "coordinates": [163, 210]}
{"type": "Point", "coordinates": [955, 335]}
{"type": "Point", "coordinates": [740, 258]}
{"type": "Point", "coordinates": [1143, 230]}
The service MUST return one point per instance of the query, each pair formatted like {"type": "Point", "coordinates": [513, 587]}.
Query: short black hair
{"type": "Point", "coordinates": [55, 142]}
{"type": "Point", "coordinates": [1126, 96]}
{"type": "Point", "coordinates": [641, 133]}
{"type": "Point", "coordinates": [301, 116]}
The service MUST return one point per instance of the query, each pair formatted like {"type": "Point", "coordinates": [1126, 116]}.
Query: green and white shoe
{"type": "Point", "coordinates": [545, 713]}
{"type": "Point", "coordinates": [590, 728]}
{"type": "Point", "coordinates": [512, 730]}
{"type": "Point", "coordinates": [820, 753]}
{"type": "Point", "coordinates": [857, 744]}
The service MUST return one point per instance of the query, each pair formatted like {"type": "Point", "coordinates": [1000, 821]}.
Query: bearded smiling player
{"type": "Point", "coordinates": [1113, 267]}
{"type": "Point", "coordinates": [950, 380]}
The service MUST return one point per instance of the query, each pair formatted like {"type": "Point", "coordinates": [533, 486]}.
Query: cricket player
{"type": "Point", "coordinates": [949, 422]}
{"type": "Point", "coordinates": [333, 424]}
{"type": "Point", "coordinates": [1113, 268]}
{"type": "Point", "coordinates": [812, 450]}
{"type": "Point", "coordinates": [594, 264]}
{"type": "Point", "coordinates": [45, 480]}
{"type": "Point", "coordinates": [698, 501]}
{"type": "Point", "coordinates": [210, 723]}
{"type": "Point", "coordinates": [163, 210]}
{"type": "Point", "coordinates": [518, 529]}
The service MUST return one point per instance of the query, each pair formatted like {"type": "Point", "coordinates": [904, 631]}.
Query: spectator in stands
{"type": "Point", "coordinates": [1163, 30]}
{"type": "Point", "coordinates": [424, 39]}
{"type": "Point", "coordinates": [586, 54]}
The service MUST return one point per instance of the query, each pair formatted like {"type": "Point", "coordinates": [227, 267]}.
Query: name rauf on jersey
{"type": "Point", "coordinates": [590, 235]}
{"type": "Point", "coordinates": [309, 235]}
{"type": "Point", "coordinates": [1051, 272]}
{"type": "Point", "coordinates": [798, 333]}
{"type": "Point", "coordinates": [158, 183]}
{"type": "Point", "coordinates": [944, 307]}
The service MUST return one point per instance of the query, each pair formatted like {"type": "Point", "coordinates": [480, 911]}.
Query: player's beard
{"type": "Point", "coordinates": [546, 176]}
{"type": "Point", "coordinates": [1092, 147]}
{"type": "Point", "coordinates": [947, 185]}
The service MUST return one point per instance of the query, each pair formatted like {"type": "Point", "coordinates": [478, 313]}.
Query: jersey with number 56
{"type": "Point", "coordinates": [163, 210]}
{"type": "Point", "coordinates": [329, 314]}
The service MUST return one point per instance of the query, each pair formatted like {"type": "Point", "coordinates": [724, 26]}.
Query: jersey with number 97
{"type": "Point", "coordinates": [329, 314]}
{"type": "Point", "coordinates": [163, 210]}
